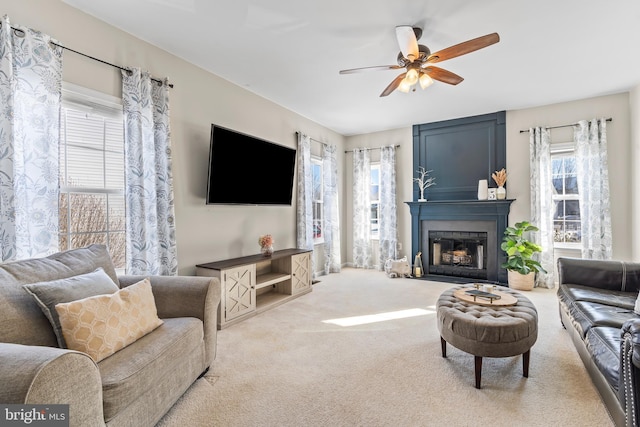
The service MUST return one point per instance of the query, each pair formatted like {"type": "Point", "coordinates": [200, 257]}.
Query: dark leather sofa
{"type": "Point", "coordinates": [596, 300]}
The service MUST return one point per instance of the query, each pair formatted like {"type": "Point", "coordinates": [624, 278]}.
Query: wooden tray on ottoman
{"type": "Point", "coordinates": [505, 298]}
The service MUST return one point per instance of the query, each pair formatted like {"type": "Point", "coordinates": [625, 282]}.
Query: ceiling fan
{"type": "Point", "coordinates": [417, 60]}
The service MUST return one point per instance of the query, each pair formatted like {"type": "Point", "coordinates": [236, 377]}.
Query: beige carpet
{"type": "Point", "coordinates": [288, 367]}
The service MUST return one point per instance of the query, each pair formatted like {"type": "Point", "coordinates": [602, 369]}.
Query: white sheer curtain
{"type": "Point", "coordinates": [331, 230]}
{"type": "Point", "coordinates": [388, 221]}
{"type": "Point", "coordinates": [362, 208]}
{"type": "Point", "coordinates": [151, 244]}
{"type": "Point", "coordinates": [542, 207]}
{"type": "Point", "coordinates": [593, 188]}
{"type": "Point", "coordinates": [304, 212]}
{"type": "Point", "coordinates": [30, 100]}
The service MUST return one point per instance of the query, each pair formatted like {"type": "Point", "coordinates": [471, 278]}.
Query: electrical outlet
{"type": "Point", "coordinates": [399, 246]}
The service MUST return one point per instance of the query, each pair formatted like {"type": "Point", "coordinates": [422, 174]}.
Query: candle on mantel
{"type": "Point", "coordinates": [418, 272]}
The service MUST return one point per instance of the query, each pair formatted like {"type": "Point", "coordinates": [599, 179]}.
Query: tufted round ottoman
{"type": "Point", "coordinates": [486, 331]}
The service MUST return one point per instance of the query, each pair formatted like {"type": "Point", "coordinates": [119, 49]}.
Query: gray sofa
{"type": "Point", "coordinates": [596, 301]}
{"type": "Point", "coordinates": [135, 386]}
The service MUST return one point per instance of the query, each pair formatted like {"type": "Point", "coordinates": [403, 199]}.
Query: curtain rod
{"type": "Point", "coordinates": [314, 140]}
{"type": "Point", "coordinates": [562, 126]}
{"type": "Point", "coordinates": [375, 148]}
{"type": "Point", "coordinates": [94, 58]}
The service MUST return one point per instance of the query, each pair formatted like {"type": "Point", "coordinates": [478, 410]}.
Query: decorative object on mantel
{"type": "Point", "coordinates": [266, 245]}
{"type": "Point", "coordinates": [492, 194]}
{"type": "Point", "coordinates": [425, 181]}
{"type": "Point", "coordinates": [500, 177]}
{"type": "Point", "coordinates": [520, 265]}
{"type": "Point", "coordinates": [483, 189]}
{"type": "Point", "coordinates": [417, 265]}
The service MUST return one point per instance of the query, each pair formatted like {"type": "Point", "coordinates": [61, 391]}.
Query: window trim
{"type": "Point", "coordinates": [375, 236]}
{"type": "Point", "coordinates": [85, 100]}
{"type": "Point", "coordinates": [316, 160]}
{"type": "Point", "coordinates": [558, 149]}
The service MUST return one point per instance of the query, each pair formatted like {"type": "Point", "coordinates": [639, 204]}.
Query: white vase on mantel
{"type": "Point", "coordinates": [483, 189]}
{"type": "Point", "coordinates": [501, 193]}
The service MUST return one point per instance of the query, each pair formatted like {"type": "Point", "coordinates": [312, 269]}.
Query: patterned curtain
{"type": "Point", "coordinates": [361, 208]}
{"type": "Point", "coordinates": [304, 213]}
{"type": "Point", "coordinates": [542, 207]}
{"type": "Point", "coordinates": [388, 216]}
{"type": "Point", "coordinates": [593, 188]}
{"type": "Point", "coordinates": [151, 241]}
{"type": "Point", "coordinates": [332, 261]}
{"type": "Point", "coordinates": [30, 101]}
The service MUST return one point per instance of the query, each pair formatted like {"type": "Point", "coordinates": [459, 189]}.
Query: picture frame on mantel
{"type": "Point", "coordinates": [460, 152]}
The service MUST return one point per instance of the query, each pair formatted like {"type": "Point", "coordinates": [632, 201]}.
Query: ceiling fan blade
{"type": "Point", "coordinates": [437, 73]}
{"type": "Point", "coordinates": [408, 42]}
{"type": "Point", "coordinates": [374, 68]}
{"type": "Point", "coordinates": [393, 85]}
{"type": "Point", "coordinates": [464, 48]}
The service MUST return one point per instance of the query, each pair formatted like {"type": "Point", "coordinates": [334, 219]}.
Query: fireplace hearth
{"type": "Point", "coordinates": [460, 239]}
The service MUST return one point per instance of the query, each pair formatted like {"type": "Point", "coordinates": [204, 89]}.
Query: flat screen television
{"type": "Point", "coordinates": [244, 170]}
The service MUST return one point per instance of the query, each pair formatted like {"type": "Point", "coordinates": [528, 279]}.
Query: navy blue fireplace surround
{"type": "Point", "coordinates": [462, 218]}
{"type": "Point", "coordinates": [458, 235]}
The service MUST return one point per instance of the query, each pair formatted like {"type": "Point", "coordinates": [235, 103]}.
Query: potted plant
{"type": "Point", "coordinates": [520, 265]}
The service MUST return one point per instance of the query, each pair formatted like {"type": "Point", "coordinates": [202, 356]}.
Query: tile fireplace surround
{"type": "Point", "coordinates": [461, 217]}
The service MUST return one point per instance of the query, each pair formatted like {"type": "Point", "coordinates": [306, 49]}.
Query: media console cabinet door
{"type": "Point", "coordinates": [301, 272]}
{"type": "Point", "coordinates": [239, 287]}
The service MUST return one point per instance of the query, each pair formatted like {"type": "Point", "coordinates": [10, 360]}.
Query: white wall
{"type": "Point", "coordinates": [634, 114]}
{"type": "Point", "coordinates": [204, 233]}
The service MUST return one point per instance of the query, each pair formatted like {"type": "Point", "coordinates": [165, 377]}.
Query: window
{"type": "Point", "coordinates": [92, 203]}
{"type": "Point", "coordinates": [316, 175]}
{"type": "Point", "coordinates": [375, 201]}
{"type": "Point", "coordinates": [566, 218]}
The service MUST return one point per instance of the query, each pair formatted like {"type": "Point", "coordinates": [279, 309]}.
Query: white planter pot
{"type": "Point", "coordinates": [521, 282]}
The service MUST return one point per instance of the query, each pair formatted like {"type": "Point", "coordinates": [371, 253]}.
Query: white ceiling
{"type": "Point", "coordinates": [290, 52]}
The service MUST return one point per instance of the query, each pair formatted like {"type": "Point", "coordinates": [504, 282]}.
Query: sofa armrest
{"type": "Point", "coordinates": [186, 296]}
{"type": "Point", "coordinates": [629, 386]}
{"type": "Point", "coordinates": [49, 375]}
{"type": "Point", "coordinates": [602, 274]}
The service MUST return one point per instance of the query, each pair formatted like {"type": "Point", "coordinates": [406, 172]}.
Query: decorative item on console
{"type": "Point", "coordinates": [425, 181]}
{"type": "Point", "coordinates": [500, 177]}
{"type": "Point", "coordinates": [266, 244]}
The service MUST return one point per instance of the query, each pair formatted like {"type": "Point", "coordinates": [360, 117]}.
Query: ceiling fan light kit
{"type": "Point", "coordinates": [417, 60]}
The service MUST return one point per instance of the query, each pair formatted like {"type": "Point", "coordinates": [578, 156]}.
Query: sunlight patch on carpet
{"type": "Point", "coordinates": [380, 317]}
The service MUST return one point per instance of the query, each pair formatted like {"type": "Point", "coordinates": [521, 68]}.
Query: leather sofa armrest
{"type": "Point", "coordinates": [629, 385]}
{"type": "Point", "coordinates": [49, 375]}
{"type": "Point", "coordinates": [602, 274]}
{"type": "Point", "coordinates": [186, 296]}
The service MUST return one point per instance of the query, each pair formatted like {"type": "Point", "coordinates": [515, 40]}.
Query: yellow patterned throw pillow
{"type": "Point", "coordinates": [103, 324]}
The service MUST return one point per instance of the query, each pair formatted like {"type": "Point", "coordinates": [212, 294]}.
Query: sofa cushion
{"type": "Point", "coordinates": [159, 366]}
{"type": "Point", "coordinates": [25, 323]}
{"type": "Point", "coordinates": [48, 294]}
{"type": "Point", "coordinates": [602, 296]}
{"type": "Point", "coordinates": [103, 324]}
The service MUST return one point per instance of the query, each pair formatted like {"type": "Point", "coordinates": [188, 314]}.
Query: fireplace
{"type": "Point", "coordinates": [456, 253]}
{"type": "Point", "coordinates": [460, 240]}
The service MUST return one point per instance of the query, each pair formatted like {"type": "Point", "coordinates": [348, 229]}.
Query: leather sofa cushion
{"type": "Point", "coordinates": [596, 314]}
{"type": "Point", "coordinates": [161, 362]}
{"type": "Point", "coordinates": [603, 343]}
{"type": "Point", "coordinates": [606, 297]}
